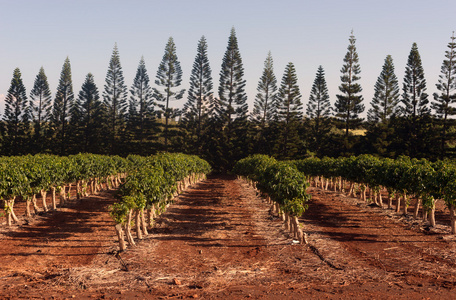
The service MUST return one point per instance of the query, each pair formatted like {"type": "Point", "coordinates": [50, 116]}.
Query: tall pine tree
{"type": "Point", "coordinates": [264, 108]}
{"type": "Point", "coordinates": [63, 103]}
{"type": "Point", "coordinates": [386, 96]}
{"type": "Point", "coordinates": [87, 117]}
{"type": "Point", "coordinates": [444, 101]}
{"type": "Point", "coordinates": [232, 106]}
{"type": "Point", "coordinates": [115, 102]}
{"type": "Point", "coordinates": [414, 96]}
{"type": "Point", "coordinates": [232, 96]}
{"type": "Point", "coordinates": [141, 110]}
{"type": "Point", "coordinates": [200, 99]}
{"type": "Point", "coordinates": [266, 97]}
{"type": "Point", "coordinates": [289, 114]}
{"type": "Point", "coordinates": [169, 76]}
{"type": "Point", "coordinates": [319, 109]}
{"type": "Point", "coordinates": [349, 105]}
{"type": "Point", "coordinates": [16, 116]}
{"type": "Point", "coordinates": [40, 110]}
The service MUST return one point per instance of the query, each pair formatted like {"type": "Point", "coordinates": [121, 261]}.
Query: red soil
{"type": "Point", "coordinates": [218, 240]}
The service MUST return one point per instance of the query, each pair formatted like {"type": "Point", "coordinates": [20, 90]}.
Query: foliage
{"type": "Point", "coordinates": [280, 180]}
{"type": "Point", "coordinates": [349, 105]}
{"type": "Point", "coordinates": [114, 101]}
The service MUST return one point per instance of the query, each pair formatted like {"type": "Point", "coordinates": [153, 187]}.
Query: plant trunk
{"type": "Point", "coordinates": [130, 239]}
{"type": "Point", "coordinates": [143, 222]}
{"type": "Point", "coordinates": [78, 190]}
{"type": "Point", "coordinates": [120, 235]}
{"type": "Point", "coordinates": [43, 198]}
{"type": "Point", "coordinates": [35, 206]}
{"type": "Point", "coordinates": [286, 221]}
{"type": "Point", "coordinates": [62, 196]}
{"type": "Point", "coordinates": [138, 224]}
{"type": "Point", "coordinates": [28, 213]}
{"type": "Point", "coordinates": [10, 215]}
{"type": "Point", "coordinates": [398, 203]}
{"type": "Point", "coordinates": [380, 199]}
{"type": "Point", "coordinates": [69, 192]}
{"type": "Point", "coordinates": [54, 202]}
{"type": "Point", "coordinates": [405, 209]}
{"type": "Point", "coordinates": [417, 208]}
{"type": "Point", "coordinates": [432, 214]}
{"type": "Point", "coordinates": [452, 219]}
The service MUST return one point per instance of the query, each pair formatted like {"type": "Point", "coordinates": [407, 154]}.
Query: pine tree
{"type": "Point", "coordinates": [264, 107]}
{"type": "Point", "coordinates": [115, 101]}
{"type": "Point", "coordinates": [63, 103]}
{"type": "Point", "coordinates": [16, 116]}
{"type": "Point", "coordinates": [87, 117]}
{"type": "Point", "coordinates": [169, 76]}
{"type": "Point", "coordinates": [289, 114]}
{"type": "Point", "coordinates": [232, 104]}
{"type": "Point", "coordinates": [40, 108]}
{"type": "Point", "coordinates": [141, 106]}
{"type": "Point", "coordinates": [414, 95]}
{"type": "Point", "coordinates": [349, 105]}
{"type": "Point", "coordinates": [319, 108]}
{"type": "Point", "coordinates": [265, 100]}
{"type": "Point", "coordinates": [232, 97]}
{"type": "Point", "coordinates": [386, 96]}
{"type": "Point", "coordinates": [200, 97]}
{"type": "Point", "coordinates": [444, 101]}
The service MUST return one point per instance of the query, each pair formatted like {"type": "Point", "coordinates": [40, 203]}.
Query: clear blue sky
{"type": "Point", "coordinates": [308, 33]}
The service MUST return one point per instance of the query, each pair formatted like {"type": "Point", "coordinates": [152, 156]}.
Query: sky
{"type": "Point", "coordinates": [43, 33]}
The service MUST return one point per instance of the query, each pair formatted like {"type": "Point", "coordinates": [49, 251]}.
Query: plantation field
{"type": "Point", "coordinates": [220, 241]}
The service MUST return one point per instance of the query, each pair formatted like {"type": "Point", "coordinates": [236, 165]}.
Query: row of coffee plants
{"type": "Point", "coordinates": [281, 184]}
{"type": "Point", "coordinates": [150, 188]}
{"type": "Point", "coordinates": [23, 178]}
{"type": "Point", "coordinates": [420, 183]}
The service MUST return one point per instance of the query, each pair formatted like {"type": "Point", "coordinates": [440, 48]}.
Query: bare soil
{"type": "Point", "coordinates": [220, 241]}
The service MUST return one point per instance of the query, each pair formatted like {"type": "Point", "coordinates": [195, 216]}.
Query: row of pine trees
{"type": "Point", "coordinates": [142, 120]}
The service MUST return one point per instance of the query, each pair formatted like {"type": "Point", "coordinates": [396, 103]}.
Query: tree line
{"type": "Point", "coordinates": [218, 127]}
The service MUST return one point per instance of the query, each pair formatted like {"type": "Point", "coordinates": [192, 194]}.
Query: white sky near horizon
{"type": "Point", "coordinates": [306, 33]}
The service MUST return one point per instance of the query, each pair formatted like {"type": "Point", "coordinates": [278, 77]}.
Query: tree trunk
{"type": "Point", "coordinates": [287, 218]}
{"type": "Point", "coordinates": [398, 203]}
{"type": "Point", "coordinates": [150, 219]}
{"type": "Point", "coordinates": [43, 198]}
{"type": "Point", "coordinates": [432, 214]}
{"type": "Point", "coordinates": [380, 199]}
{"type": "Point", "coordinates": [62, 196]}
{"type": "Point", "coordinates": [417, 207]}
{"type": "Point", "coordinates": [143, 222]}
{"type": "Point", "coordinates": [28, 213]}
{"type": "Point", "coordinates": [390, 200]}
{"type": "Point", "coordinates": [35, 206]}
{"type": "Point", "coordinates": [78, 190]}
{"type": "Point", "coordinates": [351, 190]}
{"type": "Point", "coordinates": [54, 202]}
{"type": "Point", "coordinates": [130, 239]}
{"type": "Point", "coordinates": [138, 224]}
{"type": "Point", "coordinates": [452, 219]}
{"type": "Point", "coordinates": [120, 235]}
{"type": "Point", "coordinates": [10, 215]}
{"type": "Point", "coordinates": [363, 193]}
{"type": "Point", "coordinates": [69, 192]}
{"type": "Point", "coordinates": [405, 208]}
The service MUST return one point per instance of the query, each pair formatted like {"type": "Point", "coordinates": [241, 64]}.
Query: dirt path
{"type": "Point", "coordinates": [218, 241]}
